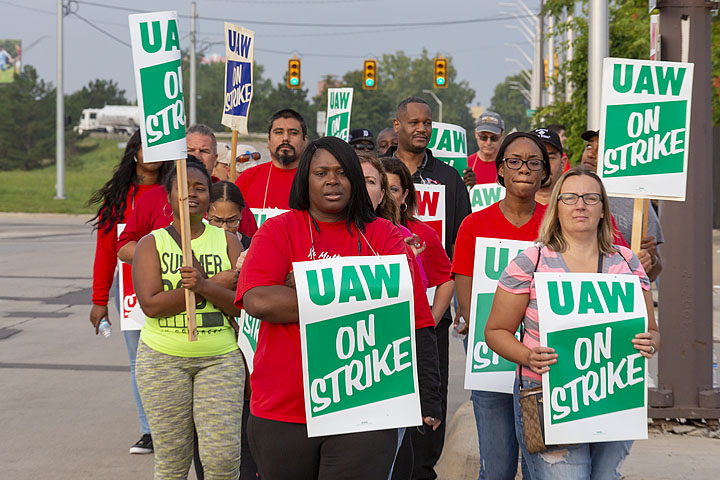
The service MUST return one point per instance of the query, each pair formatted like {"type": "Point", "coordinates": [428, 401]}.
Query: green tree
{"type": "Point", "coordinates": [511, 104]}
{"type": "Point", "coordinates": [629, 38]}
{"type": "Point", "coordinates": [95, 94]}
{"type": "Point", "coordinates": [27, 127]}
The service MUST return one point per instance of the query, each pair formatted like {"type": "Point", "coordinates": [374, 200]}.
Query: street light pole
{"type": "Point", "coordinates": [598, 48]}
{"type": "Point", "coordinates": [439, 102]}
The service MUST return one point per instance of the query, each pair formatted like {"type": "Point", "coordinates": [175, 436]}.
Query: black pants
{"type": "Point", "coordinates": [421, 448]}
{"type": "Point", "coordinates": [248, 468]}
{"type": "Point", "coordinates": [283, 451]}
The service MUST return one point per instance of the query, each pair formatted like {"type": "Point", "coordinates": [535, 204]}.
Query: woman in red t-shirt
{"type": "Point", "coordinates": [117, 198]}
{"type": "Point", "coordinates": [522, 165]}
{"type": "Point", "coordinates": [331, 215]}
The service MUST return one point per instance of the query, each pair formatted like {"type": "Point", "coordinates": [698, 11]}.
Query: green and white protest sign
{"type": "Point", "coordinates": [484, 369]}
{"type": "Point", "coordinates": [338, 112]}
{"type": "Point", "coordinates": [239, 54]}
{"type": "Point", "coordinates": [645, 128]}
{"type": "Point", "coordinates": [158, 78]}
{"type": "Point", "coordinates": [262, 214]}
{"type": "Point", "coordinates": [449, 143]}
{"type": "Point", "coordinates": [484, 195]}
{"type": "Point", "coordinates": [597, 390]}
{"type": "Point", "coordinates": [357, 332]}
{"type": "Point", "coordinates": [247, 337]}
{"type": "Point", "coordinates": [431, 207]}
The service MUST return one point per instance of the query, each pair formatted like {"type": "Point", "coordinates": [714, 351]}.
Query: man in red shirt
{"type": "Point", "coordinates": [153, 210]}
{"type": "Point", "coordinates": [489, 131]}
{"type": "Point", "coordinates": [268, 185]}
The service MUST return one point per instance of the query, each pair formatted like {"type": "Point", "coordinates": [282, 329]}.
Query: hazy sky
{"type": "Point", "coordinates": [479, 50]}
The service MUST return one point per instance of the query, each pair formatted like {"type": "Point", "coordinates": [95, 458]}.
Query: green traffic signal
{"type": "Point", "coordinates": [294, 80]}
{"type": "Point", "coordinates": [440, 80]}
{"type": "Point", "coordinates": [369, 82]}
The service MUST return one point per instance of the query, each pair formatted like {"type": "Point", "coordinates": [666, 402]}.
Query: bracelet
{"type": "Point", "coordinates": [656, 258]}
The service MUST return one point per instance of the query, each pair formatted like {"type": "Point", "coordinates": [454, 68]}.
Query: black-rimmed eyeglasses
{"type": "Point", "coordinates": [516, 164]}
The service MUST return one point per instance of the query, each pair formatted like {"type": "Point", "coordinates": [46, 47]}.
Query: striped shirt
{"type": "Point", "coordinates": [519, 278]}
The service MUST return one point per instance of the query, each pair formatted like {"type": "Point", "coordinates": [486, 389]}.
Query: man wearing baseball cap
{"type": "Point", "coordinates": [361, 139]}
{"type": "Point", "coordinates": [489, 130]}
{"type": "Point", "coordinates": [590, 153]}
{"type": "Point", "coordinates": [557, 162]}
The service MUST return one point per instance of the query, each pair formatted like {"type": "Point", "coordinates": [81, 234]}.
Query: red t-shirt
{"type": "Point", "coordinates": [266, 186]}
{"type": "Point", "coordinates": [277, 367]}
{"type": "Point", "coordinates": [434, 259]}
{"type": "Point", "coordinates": [106, 248]}
{"type": "Point", "coordinates": [485, 172]}
{"type": "Point", "coordinates": [154, 212]}
{"type": "Point", "coordinates": [490, 223]}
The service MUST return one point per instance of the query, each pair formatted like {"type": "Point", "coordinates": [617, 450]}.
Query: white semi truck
{"type": "Point", "coordinates": [110, 119]}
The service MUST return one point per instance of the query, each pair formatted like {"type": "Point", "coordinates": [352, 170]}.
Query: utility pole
{"type": "Point", "coordinates": [598, 48]}
{"type": "Point", "coordinates": [551, 61]}
{"type": "Point", "coordinates": [60, 110]}
{"type": "Point", "coordinates": [193, 45]}
{"type": "Point", "coordinates": [685, 302]}
{"type": "Point", "coordinates": [569, 53]}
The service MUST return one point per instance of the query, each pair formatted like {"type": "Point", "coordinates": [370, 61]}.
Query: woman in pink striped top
{"type": "Point", "coordinates": [575, 236]}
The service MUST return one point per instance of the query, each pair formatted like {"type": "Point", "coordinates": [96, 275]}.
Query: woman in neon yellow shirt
{"type": "Point", "coordinates": [185, 384]}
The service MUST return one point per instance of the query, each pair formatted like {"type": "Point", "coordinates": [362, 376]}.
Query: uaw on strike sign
{"type": "Point", "coordinates": [158, 78]}
{"type": "Point", "coordinates": [239, 54]}
{"type": "Point", "coordinates": [597, 390]}
{"type": "Point", "coordinates": [645, 128]}
{"type": "Point", "coordinates": [357, 331]}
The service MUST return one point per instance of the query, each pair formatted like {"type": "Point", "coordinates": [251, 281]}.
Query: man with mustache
{"type": "Point", "coordinates": [413, 124]}
{"type": "Point", "coordinates": [268, 185]}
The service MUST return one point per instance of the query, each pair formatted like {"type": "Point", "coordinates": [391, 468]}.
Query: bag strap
{"type": "Point", "coordinates": [176, 236]}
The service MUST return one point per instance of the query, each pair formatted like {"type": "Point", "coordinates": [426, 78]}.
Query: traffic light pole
{"type": "Point", "coordinates": [685, 301]}
{"type": "Point", "coordinates": [439, 102]}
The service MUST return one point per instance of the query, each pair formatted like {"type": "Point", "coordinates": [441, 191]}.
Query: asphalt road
{"type": "Point", "coordinates": [66, 409]}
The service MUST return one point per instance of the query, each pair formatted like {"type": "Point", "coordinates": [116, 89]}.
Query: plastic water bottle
{"type": "Point", "coordinates": [455, 330]}
{"type": "Point", "coordinates": [104, 328]}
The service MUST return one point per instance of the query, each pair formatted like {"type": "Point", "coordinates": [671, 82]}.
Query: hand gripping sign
{"type": "Point", "coordinates": [338, 112]}
{"type": "Point", "coordinates": [645, 128]}
{"type": "Point", "coordinates": [357, 331]}
{"type": "Point", "coordinates": [449, 143]}
{"type": "Point", "coordinates": [158, 78]}
{"type": "Point", "coordinates": [597, 390]}
{"type": "Point", "coordinates": [485, 370]}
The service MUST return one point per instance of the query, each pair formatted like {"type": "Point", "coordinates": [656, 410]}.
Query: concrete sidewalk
{"type": "Point", "coordinates": [67, 409]}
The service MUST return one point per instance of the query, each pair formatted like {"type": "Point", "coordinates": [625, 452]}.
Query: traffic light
{"type": "Point", "coordinates": [293, 73]}
{"type": "Point", "coordinates": [369, 75]}
{"type": "Point", "coordinates": [440, 72]}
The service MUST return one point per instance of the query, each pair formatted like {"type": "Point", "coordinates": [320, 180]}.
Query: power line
{"type": "Point", "coordinates": [331, 25]}
{"type": "Point", "coordinates": [104, 32]}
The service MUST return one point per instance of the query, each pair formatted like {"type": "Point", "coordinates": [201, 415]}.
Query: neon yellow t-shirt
{"type": "Point", "coordinates": [169, 335]}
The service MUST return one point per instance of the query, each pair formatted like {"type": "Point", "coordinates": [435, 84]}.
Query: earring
{"type": "Point", "coordinates": [403, 207]}
{"type": "Point", "coordinates": [135, 158]}
{"type": "Point", "coordinates": [165, 213]}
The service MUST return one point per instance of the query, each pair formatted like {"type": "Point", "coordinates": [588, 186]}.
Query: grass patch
{"type": "Point", "coordinates": [33, 191]}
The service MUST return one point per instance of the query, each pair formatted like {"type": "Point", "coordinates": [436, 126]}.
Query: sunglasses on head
{"type": "Point", "coordinates": [244, 157]}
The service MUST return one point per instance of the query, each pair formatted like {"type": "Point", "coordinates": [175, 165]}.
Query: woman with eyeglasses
{"type": "Point", "coordinates": [576, 235]}
{"type": "Point", "coordinates": [522, 165]}
{"type": "Point", "coordinates": [331, 216]}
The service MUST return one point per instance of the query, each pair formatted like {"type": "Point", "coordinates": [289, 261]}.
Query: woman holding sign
{"type": "Point", "coordinates": [576, 236]}
{"type": "Point", "coordinates": [331, 216]}
{"type": "Point", "coordinates": [131, 179]}
{"type": "Point", "coordinates": [522, 165]}
{"type": "Point", "coordinates": [190, 384]}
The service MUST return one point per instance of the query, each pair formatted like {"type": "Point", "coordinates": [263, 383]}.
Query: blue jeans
{"type": "Point", "coordinates": [596, 461]}
{"type": "Point", "coordinates": [495, 421]}
{"type": "Point", "coordinates": [131, 342]}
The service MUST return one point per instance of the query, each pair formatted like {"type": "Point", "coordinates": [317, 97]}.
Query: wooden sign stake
{"type": "Point", "coordinates": [233, 157]}
{"type": "Point", "coordinates": [181, 166]}
{"type": "Point", "coordinates": [637, 225]}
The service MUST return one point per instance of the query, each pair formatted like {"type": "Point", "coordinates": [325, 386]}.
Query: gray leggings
{"type": "Point", "coordinates": [177, 391]}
